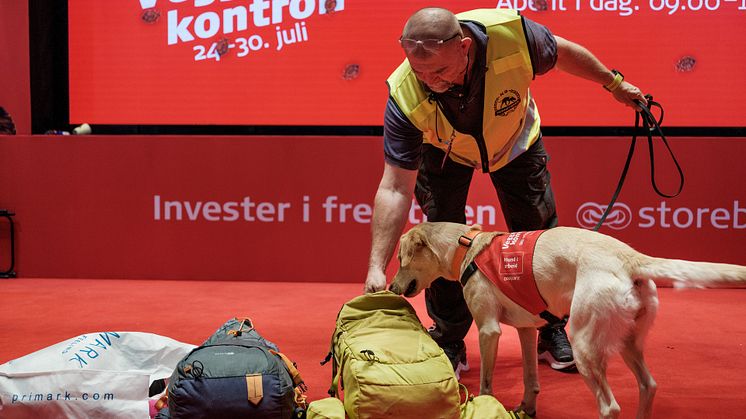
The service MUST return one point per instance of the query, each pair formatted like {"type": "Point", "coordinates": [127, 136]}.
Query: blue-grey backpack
{"type": "Point", "coordinates": [236, 373]}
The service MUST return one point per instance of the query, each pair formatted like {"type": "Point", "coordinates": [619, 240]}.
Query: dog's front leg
{"type": "Point", "coordinates": [489, 339]}
{"type": "Point", "coordinates": [527, 336]}
{"type": "Point", "coordinates": [483, 306]}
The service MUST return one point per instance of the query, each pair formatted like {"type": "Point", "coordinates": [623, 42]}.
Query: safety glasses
{"type": "Point", "coordinates": [430, 45]}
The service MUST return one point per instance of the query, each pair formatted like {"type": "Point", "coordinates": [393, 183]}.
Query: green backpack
{"type": "Point", "coordinates": [328, 408]}
{"type": "Point", "coordinates": [387, 365]}
{"type": "Point", "coordinates": [486, 407]}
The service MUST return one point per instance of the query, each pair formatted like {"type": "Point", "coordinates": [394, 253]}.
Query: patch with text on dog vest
{"type": "Point", "coordinates": [508, 262]}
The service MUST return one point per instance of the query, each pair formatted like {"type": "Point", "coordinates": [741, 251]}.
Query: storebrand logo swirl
{"type": "Point", "coordinates": [589, 214]}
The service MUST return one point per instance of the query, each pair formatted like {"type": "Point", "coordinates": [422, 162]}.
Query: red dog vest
{"type": "Point", "coordinates": [508, 262]}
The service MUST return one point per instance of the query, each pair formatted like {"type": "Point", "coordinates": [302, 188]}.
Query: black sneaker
{"type": "Point", "coordinates": [456, 353]}
{"type": "Point", "coordinates": [434, 332]}
{"type": "Point", "coordinates": [555, 349]}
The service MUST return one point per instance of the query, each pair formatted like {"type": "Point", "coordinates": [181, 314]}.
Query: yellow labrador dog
{"type": "Point", "coordinates": [607, 288]}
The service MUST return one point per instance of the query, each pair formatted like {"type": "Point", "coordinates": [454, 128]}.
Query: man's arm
{"type": "Point", "coordinates": [392, 203]}
{"type": "Point", "coordinates": [576, 60]}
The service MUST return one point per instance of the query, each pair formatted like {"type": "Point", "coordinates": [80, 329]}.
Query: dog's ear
{"type": "Point", "coordinates": [418, 239]}
{"type": "Point", "coordinates": [475, 227]}
{"type": "Point", "coordinates": [410, 243]}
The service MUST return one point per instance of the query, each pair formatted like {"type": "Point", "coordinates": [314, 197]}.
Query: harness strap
{"type": "Point", "coordinates": [549, 317]}
{"type": "Point", "coordinates": [468, 272]}
{"type": "Point", "coordinates": [464, 242]}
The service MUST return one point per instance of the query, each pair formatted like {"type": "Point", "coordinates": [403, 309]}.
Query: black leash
{"type": "Point", "coordinates": [651, 125]}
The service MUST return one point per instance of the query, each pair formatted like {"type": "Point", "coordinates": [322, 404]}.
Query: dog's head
{"type": "Point", "coordinates": [419, 263]}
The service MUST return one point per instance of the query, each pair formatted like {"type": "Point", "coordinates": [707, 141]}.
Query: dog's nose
{"type": "Point", "coordinates": [394, 288]}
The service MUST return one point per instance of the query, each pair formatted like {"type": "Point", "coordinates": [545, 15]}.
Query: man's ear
{"type": "Point", "coordinates": [466, 43]}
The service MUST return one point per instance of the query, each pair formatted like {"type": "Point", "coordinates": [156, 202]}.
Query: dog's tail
{"type": "Point", "coordinates": [688, 274]}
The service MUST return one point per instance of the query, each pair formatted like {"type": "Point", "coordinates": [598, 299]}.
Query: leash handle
{"type": "Point", "coordinates": [651, 125]}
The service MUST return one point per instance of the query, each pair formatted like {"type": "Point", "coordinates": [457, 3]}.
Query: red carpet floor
{"type": "Point", "coordinates": [695, 350]}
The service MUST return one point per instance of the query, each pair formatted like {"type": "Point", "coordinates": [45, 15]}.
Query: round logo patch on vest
{"type": "Point", "coordinates": [507, 102]}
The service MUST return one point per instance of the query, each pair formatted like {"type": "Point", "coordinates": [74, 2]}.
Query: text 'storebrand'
{"type": "Point", "coordinates": [664, 216]}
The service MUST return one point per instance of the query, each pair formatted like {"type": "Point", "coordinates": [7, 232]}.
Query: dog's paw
{"type": "Point", "coordinates": [521, 415]}
{"type": "Point", "coordinates": [521, 412]}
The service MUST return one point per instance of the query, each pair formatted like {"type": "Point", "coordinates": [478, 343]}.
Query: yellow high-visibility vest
{"type": "Point", "coordinates": [510, 120]}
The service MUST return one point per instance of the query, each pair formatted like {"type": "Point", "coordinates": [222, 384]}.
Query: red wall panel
{"type": "Point", "coordinates": [15, 88]}
{"type": "Point", "coordinates": [298, 208]}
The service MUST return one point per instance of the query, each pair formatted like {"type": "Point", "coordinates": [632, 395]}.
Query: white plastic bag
{"type": "Point", "coordinates": [96, 375]}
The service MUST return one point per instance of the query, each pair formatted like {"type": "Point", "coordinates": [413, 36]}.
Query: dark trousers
{"type": "Point", "coordinates": [526, 200]}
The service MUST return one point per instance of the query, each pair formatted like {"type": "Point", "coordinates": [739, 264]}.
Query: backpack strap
{"type": "Point", "coordinates": [254, 388]}
{"type": "Point", "coordinates": [239, 331]}
{"type": "Point", "coordinates": [161, 402]}
{"type": "Point", "coordinates": [301, 400]}
{"type": "Point", "coordinates": [334, 389]}
{"type": "Point", "coordinates": [294, 373]}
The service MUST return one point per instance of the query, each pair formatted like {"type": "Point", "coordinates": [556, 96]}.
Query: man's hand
{"type": "Point", "coordinates": [376, 281]}
{"type": "Point", "coordinates": [628, 93]}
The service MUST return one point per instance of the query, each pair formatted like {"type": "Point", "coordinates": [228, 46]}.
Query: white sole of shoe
{"type": "Point", "coordinates": [461, 367]}
{"type": "Point", "coordinates": [547, 357]}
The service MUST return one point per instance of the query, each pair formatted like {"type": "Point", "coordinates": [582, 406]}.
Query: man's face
{"type": "Point", "coordinates": [443, 69]}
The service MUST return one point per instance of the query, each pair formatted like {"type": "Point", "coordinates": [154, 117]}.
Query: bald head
{"type": "Point", "coordinates": [436, 48]}
{"type": "Point", "coordinates": [431, 23]}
